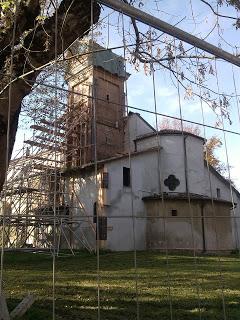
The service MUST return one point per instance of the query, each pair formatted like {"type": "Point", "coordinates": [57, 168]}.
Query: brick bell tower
{"type": "Point", "coordinates": [95, 105]}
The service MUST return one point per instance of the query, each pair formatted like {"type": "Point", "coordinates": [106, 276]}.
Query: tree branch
{"type": "Point", "coordinates": [216, 13]}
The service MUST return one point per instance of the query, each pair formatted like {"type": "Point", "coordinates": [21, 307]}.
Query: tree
{"type": "Point", "coordinates": [211, 146]}
{"type": "Point", "coordinates": [28, 29]}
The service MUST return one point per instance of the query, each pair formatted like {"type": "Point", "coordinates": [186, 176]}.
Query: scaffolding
{"type": "Point", "coordinates": [41, 192]}
{"type": "Point", "coordinates": [38, 196]}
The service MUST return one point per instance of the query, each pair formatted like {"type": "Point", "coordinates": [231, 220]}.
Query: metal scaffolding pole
{"type": "Point", "coordinates": [169, 29]}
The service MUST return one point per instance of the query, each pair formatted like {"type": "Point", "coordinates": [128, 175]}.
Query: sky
{"type": "Point", "coordinates": [195, 18]}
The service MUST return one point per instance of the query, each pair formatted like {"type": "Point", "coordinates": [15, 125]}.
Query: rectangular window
{"type": "Point", "coordinates": [104, 180]}
{"type": "Point", "coordinates": [218, 193]}
{"type": "Point", "coordinates": [126, 177]}
{"type": "Point", "coordinates": [174, 213]}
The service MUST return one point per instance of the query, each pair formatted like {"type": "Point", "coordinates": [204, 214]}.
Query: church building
{"type": "Point", "coordinates": [141, 188]}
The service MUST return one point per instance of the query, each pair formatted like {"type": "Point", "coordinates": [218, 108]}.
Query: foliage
{"type": "Point", "coordinates": [193, 284]}
{"type": "Point", "coordinates": [211, 146]}
{"type": "Point", "coordinates": [7, 11]}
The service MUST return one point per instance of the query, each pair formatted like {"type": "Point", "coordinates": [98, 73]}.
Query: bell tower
{"type": "Point", "coordinates": [96, 104]}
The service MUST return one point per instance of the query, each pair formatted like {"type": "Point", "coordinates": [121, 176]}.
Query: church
{"type": "Point", "coordinates": [103, 175]}
{"type": "Point", "coordinates": [144, 189]}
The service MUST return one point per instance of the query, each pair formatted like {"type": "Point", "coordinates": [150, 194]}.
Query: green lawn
{"type": "Point", "coordinates": [194, 288]}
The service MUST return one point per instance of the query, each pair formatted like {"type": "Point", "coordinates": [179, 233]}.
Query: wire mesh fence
{"type": "Point", "coordinates": [117, 206]}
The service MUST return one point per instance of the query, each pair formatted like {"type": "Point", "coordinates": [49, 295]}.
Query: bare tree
{"type": "Point", "coordinates": [176, 124]}
{"type": "Point", "coordinates": [189, 67]}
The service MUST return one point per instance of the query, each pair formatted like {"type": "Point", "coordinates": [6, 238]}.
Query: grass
{"type": "Point", "coordinates": [194, 288]}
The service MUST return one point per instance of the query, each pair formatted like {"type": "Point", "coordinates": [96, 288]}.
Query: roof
{"type": "Point", "coordinates": [101, 57]}
{"type": "Point", "coordinates": [219, 176]}
{"type": "Point", "coordinates": [130, 113]}
{"type": "Point", "coordinates": [106, 59]}
{"type": "Point", "coordinates": [110, 62]}
{"type": "Point", "coordinates": [169, 132]}
{"type": "Point", "coordinates": [183, 196]}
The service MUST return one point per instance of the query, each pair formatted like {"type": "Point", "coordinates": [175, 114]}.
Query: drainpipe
{"type": "Point", "coordinates": [185, 163]}
{"type": "Point", "coordinates": [203, 227]}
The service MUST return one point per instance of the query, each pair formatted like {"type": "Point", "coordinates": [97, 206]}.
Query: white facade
{"type": "Point", "coordinates": [155, 160]}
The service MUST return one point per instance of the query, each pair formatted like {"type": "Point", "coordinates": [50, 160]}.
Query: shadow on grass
{"type": "Point", "coordinates": [76, 286]}
{"type": "Point", "coordinates": [114, 307]}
